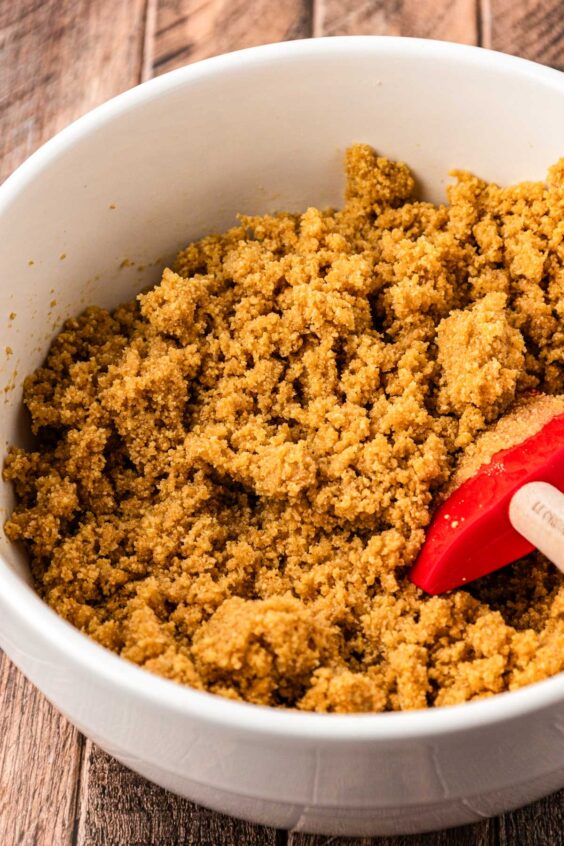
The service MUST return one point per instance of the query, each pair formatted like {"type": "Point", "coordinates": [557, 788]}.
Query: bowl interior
{"type": "Point", "coordinates": [96, 213]}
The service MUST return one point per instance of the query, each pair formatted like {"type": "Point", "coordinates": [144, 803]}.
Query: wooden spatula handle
{"type": "Point", "coordinates": [536, 511]}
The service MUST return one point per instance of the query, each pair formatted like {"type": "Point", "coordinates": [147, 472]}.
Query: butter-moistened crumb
{"type": "Point", "coordinates": [525, 419]}
{"type": "Point", "coordinates": [234, 473]}
{"type": "Point", "coordinates": [481, 358]}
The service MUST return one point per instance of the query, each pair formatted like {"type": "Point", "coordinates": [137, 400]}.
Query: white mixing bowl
{"type": "Point", "coordinates": [255, 131]}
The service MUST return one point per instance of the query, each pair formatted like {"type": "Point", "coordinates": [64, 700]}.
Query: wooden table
{"type": "Point", "coordinates": [59, 58]}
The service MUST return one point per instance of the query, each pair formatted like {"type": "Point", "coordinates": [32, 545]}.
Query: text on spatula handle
{"type": "Point", "coordinates": [546, 514]}
{"type": "Point", "coordinates": [536, 511]}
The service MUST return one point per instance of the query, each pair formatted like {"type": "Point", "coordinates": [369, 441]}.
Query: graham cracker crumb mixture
{"type": "Point", "coordinates": [234, 472]}
{"type": "Point", "coordinates": [526, 418]}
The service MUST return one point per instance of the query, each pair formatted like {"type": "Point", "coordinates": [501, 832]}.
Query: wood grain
{"type": "Point", "coordinates": [482, 834]}
{"type": "Point", "coordinates": [450, 20]}
{"type": "Point", "coordinates": [536, 825]}
{"type": "Point", "coordinates": [533, 29]}
{"type": "Point", "coordinates": [60, 58]}
{"type": "Point", "coordinates": [39, 765]}
{"type": "Point", "coordinates": [188, 30]}
{"type": "Point", "coordinates": [137, 812]}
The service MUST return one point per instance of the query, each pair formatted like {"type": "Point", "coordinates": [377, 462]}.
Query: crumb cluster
{"type": "Point", "coordinates": [234, 472]}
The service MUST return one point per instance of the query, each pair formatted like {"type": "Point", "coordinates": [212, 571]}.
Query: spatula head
{"type": "Point", "coordinates": [471, 535]}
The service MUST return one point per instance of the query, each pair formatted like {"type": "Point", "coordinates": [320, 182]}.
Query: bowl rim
{"type": "Point", "coordinates": [30, 612]}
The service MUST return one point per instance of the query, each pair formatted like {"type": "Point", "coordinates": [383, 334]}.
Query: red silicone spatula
{"type": "Point", "coordinates": [504, 501]}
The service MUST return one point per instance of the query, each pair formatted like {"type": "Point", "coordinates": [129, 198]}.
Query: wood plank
{"type": "Point", "coordinates": [450, 20]}
{"type": "Point", "coordinates": [120, 807]}
{"type": "Point", "coordinates": [189, 30]}
{"type": "Point", "coordinates": [40, 760]}
{"type": "Point", "coordinates": [481, 834]}
{"type": "Point", "coordinates": [57, 61]}
{"type": "Point", "coordinates": [540, 824]}
{"type": "Point", "coordinates": [533, 29]}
